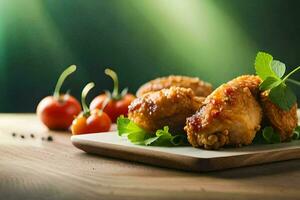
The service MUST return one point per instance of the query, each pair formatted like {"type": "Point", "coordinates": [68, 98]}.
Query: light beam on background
{"type": "Point", "coordinates": [29, 34]}
{"type": "Point", "coordinates": [29, 19]}
{"type": "Point", "coordinates": [199, 32]}
{"type": "Point", "coordinates": [2, 53]}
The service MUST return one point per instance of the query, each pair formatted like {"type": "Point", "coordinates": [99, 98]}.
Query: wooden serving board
{"type": "Point", "coordinates": [186, 158]}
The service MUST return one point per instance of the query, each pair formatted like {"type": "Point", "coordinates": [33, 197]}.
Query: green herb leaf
{"type": "Point", "coordinates": [276, 138]}
{"type": "Point", "coordinates": [133, 132]}
{"type": "Point", "coordinates": [259, 139]}
{"type": "Point", "coordinates": [269, 83]}
{"type": "Point", "coordinates": [165, 138]}
{"type": "Point", "coordinates": [270, 135]}
{"type": "Point", "coordinates": [267, 134]}
{"type": "Point", "coordinates": [162, 138]}
{"type": "Point", "coordinates": [262, 64]}
{"type": "Point", "coordinates": [137, 135]}
{"type": "Point", "coordinates": [296, 135]}
{"type": "Point", "coordinates": [278, 68]}
{"type": "Point", "coordinates": [282, 96]}
{"type": "Point", "coordinates": [271, 71]}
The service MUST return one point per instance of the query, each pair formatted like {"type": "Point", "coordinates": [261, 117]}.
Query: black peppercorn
{"type": "Point", "coordinates": [49, 138]}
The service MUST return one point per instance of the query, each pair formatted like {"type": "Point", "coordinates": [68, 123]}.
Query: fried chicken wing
{"type": "Point", "coordinates": [199, 87]}
{"type": "Point", "coordinates": [166, 107]}
{"type": "Point", "coordinates": [231, 115]}
{"type": "Point", "coordinates": [283, 121]}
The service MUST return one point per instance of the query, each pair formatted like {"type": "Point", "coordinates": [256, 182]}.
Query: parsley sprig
{"type": "Point", "coordinates": [271, 72]}
{"type": "Point", "coordinates": [270, 136]}
{"type": "Point", "coordinates": [137, 135]}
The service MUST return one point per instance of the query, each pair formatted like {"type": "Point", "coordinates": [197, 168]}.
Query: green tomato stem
{"type": "Point", "coordinates": [61, 80]}
{"type": "Point", "coordinates": [114, 77]}
{"type": "Point", "coordinates": [289, 74]}
{"type": "Point", "coordinates": [293, 81]}
{"type": "Point", "coordinates": [84, 93]}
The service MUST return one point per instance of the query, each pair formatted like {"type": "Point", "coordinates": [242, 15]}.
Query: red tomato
{"type": "Point", "coordinates": [94, 123]}
{"type": "Point", "coordinates": [114, 108]}
{"type": "Point", "coordinates": [58, 111]}
{"type": "Point", "coordinates": [58, 114]}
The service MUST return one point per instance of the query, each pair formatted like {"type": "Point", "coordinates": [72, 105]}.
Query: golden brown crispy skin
{"type": "Point", "coordinates": [167, 107]}
{"type": "Point", "coordinates": [283, 121]}
{"type": "Point", "coordinates": [199, 87]}
{"type": "Point", "coordinates": [231, 115]}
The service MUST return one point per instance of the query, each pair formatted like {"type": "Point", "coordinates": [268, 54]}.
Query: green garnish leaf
{"type": "Point", "coordinates": [270, 135]}
{"type": "Point", "coordinates": [267, 134]}
{"type": "Point", "coordinates": [262, 64]}
{"type": "Point", "coordinates": [259, 139]}
{"type": "Point", "coordinates": [137, 135]}
{"type": "Point", "coordinates": [278, 68]}
{"type": "Point", "coordinates": [162, 138]}
{"type": "Point", "coordinates": [269, 83]}
{"type": "Point", "coordinates": [271, 71]}
{"type": "Point", "coordinates": [133, 132]}
{"type": "Point", "coordinates": [296, 135]}
{"type": "Point", "coordinates": [282, 96]}
{"type": "Point", "coordinates": [165, 138]}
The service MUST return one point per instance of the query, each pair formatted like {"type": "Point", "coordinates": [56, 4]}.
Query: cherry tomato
{"type": "Point", "coordinates": [58, 114]}
{"type": "Point", "coordinates": [114, 108]}
{"type": "Point", "coordinates": [58, 111]}
{"type": "Point", "coordinates": [115, 103]}
{"type": "Point", "coordinates": [94, 123]}
{"type": "Point", "coordinates": [90, 121]}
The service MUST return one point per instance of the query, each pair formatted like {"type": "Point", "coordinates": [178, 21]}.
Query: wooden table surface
{"type": "Point", "coordinates": [32, 168]}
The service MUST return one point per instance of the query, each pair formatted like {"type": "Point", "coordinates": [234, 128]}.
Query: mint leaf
{"type": "Point", "coordinates": [137, 135]}
{"type": "Point", "coordinates": [271, 71]}
{"type": "Point", "coordinates": [263, 65]}
{"type": "Point", "coordinates": [270, 135]}
{"type": "Point", "coordinates": [278, 68]}
{"type": "Point", "coordinates": [283, 97]}
{"type": "Point", "coordinates": [269, 83]}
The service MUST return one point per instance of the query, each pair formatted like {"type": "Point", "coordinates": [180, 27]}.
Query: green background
{"type": "Point", "coordinates": [140, 39]}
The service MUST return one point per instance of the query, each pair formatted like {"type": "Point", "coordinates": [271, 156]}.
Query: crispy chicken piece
{"type": "Point", "coordinates": [199, 87]}
{"type": "Point", "coordinates": [166, 107]}
{"type": "Point", "coordinates": [283, 121]}
{"type": "Point", "coordinates": [231, 115]}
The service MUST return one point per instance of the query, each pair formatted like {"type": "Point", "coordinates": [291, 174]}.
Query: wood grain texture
{"type": "Point", "coordinates": [35, 169]}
